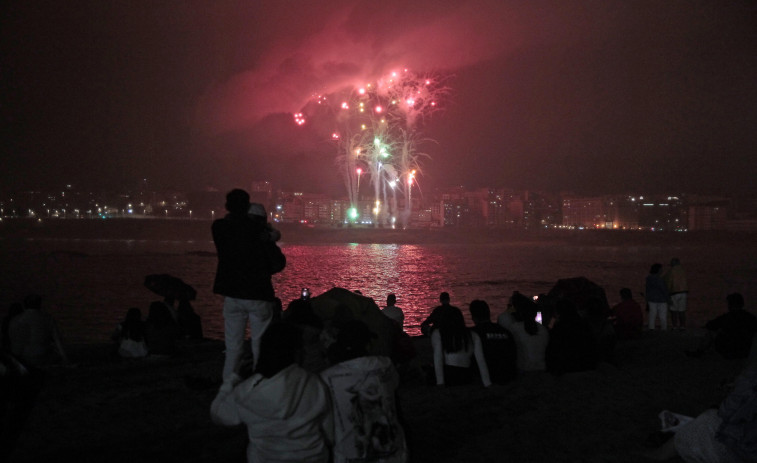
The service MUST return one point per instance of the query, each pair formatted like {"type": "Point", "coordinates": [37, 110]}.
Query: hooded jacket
{"type": "Point", "coordinates": [366, 423]}
{"type": "Point", "coordinates": [288, 416]}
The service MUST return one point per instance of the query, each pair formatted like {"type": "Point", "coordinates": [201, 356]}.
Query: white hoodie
{"type": "Point", "coordinates": [288, 416]}
{"type": "Point", "coordinates": [366, 424]}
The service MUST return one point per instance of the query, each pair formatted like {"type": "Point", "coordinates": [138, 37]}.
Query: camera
{"type": "Point", "coordinates": [305, 294]}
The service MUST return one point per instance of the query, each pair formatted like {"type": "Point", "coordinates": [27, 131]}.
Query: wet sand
{"type": "Point", "coordinates": [98, 409]}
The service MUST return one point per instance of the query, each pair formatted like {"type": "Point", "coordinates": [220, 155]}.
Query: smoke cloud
{"type": "Point", "coordinates": [356, 44]}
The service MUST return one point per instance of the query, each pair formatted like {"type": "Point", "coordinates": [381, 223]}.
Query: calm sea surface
{"type": "Point", "coordinates": [89, 284]}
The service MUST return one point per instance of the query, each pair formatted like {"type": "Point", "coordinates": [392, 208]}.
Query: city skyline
{"type": "Point", "coordinates": [582, 96]}
{"type": "Point", "coordinates": [503, 208]}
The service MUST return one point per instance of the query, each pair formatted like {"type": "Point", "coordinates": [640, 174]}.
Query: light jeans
{"type": "Point", "coordinates": [236, 312]}
{"type": "Point", "coordinates": [658, 309]}
{"type": "Point", "coordinates": [678, 302]}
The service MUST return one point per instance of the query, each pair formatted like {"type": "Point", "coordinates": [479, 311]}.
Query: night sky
{"type": "Point", "coordinates": [590, 96]}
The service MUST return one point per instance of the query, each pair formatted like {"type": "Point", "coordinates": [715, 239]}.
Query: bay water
{"type": "Point", "coordinates": [89, 284]}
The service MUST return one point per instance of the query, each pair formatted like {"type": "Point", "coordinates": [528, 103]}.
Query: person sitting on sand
{"type": "Point", "coordinates": [732, 333]}
{"type": "Point", "coordinates": [439, 314]}
{"type": "Point", "coordinates": [15, 309]}
{"type": "Point", "coordinates": [393, 312]}
{"type": "Point", "coordinates": [34, 335]}
{"type": "Point", "coordinates": [161, 330]}
{"type": "Point", "coordinates": [598, 318]}
{"type": "Point", "coordinates": [454, 347]}
{"type": "Point", "coordinates": [572, 346]}
{"type": "Point", "coordinates": [130, 335]}
{"type": "Point", "coordinates": [190, 324]}
{"type": "Point", "coordinates": [19, 388]}
{"type": "Point", "coordinates": [300, 313]}
{"type": "Point", "coordinates": [627, 316]}
{"type": "Point", "coordinates": [531, 337]}
{"type": "Point", "coordinates": [287, 410]}
{"type": "Point", "coordinates": [727, 434]}
{"type": "Point", "coordinates": [367, 425]}
{"type": "Point", "coordinates": [497, 343]}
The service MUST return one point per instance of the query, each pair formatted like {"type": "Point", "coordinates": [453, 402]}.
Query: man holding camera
{"type": "Point", "coordinates": [247, 258]}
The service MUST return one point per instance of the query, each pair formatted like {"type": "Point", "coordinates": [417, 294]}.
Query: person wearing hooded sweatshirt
{"type": "Point", "coordinates": [367, 424]}
{"type": "Point", "coordinates": [287, 410]}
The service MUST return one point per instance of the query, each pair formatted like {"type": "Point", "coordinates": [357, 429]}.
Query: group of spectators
{"type": "Point", "coordinates": [165, 324]}
{"type": "Point", "coordinates": [667, 292]}
{"type": "Point", "coordinates": [316, 390]}
{"type": "Point", "coordinates": [346, 411]}
{"type": "Point", "coordinates": [342, 408]}
{"type": "Point", "coordinates": [576, 338]}
{"type": "Point", "coordinates": [518, 343]}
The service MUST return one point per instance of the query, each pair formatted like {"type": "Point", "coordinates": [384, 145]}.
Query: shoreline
{"type": "Point", "coordinates": [156, 409]}
{"type": "Point", "coordinates": [12, 230]}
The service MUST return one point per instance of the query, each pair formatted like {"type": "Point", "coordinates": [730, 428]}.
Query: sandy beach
{"type": "Point", "coordinates": [98, 409]}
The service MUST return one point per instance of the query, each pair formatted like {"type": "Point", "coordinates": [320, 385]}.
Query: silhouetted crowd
{"type": "Point", "coordinates": [318, 381]}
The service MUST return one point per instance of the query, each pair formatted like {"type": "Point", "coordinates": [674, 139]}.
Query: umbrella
{"type": "Point", "coordinates": [170, 287]}
{"type": "Point", "coordinates": [579, 290]}
{"type": "Point", "coordinates": [340, 305]}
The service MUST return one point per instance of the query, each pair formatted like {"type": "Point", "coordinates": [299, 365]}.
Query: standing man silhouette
{"type": "Point", "coordinates": [247, 258]}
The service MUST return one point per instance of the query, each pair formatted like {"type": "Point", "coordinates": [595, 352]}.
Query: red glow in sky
{"type": "Point", "coordinates": [581, 95]}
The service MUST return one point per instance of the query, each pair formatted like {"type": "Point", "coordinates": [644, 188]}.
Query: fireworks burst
{"type": "Point", "coordinates": [375, 128]}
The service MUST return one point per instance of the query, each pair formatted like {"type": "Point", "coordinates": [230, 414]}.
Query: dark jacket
{"type": "Point", "coordinates": [734, 332]}
{"type": "Point", "coordinates": [437, 317]}
{"type": "Point", "coordinates": [656, 290]}
{"type": "Point", "coordinates": [246, 258]}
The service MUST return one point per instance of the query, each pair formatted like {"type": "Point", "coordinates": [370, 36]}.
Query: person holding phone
{"type": "Point", "coordinates": [531, 338]}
